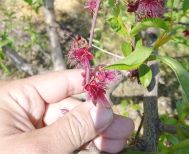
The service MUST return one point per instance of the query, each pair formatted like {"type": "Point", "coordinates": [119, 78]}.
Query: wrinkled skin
{"type": "Point", "coordinates": [31, 121]}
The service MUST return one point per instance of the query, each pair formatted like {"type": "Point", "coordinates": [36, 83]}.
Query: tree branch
{"type": "Point", "coordinates": [182, 23]}
{"type": "Point", "coordinates": [52, 26]}
{"type": "Point", "coordinates": [167, 128]}
{"type": "Point", "coordinates": [171, 129]}
{"type": "Point", "coordinates": [20, 62]}
{"type": "Point", "coordinates": [94, 23]}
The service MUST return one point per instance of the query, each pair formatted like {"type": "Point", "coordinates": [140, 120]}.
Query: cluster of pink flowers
{"type": "Point", "coordinates": [95, 80]}
{"type": "Point", "coordinates": [79, 54]}
{"type": "Point", "coordinates": [146, 8]}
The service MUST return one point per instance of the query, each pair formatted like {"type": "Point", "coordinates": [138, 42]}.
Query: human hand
{"type": "Point", "coordinates": [31, 121]}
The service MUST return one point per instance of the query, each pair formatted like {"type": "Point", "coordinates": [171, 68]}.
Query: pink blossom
{"type": "Point", "coordinates": [106, 76]}
{"type": "Point", "coordinates": [95, 80]}
{"type": "Point", "coordinates": [96, 92]}
{"type": "Point", "coordinates": [132, 5]}
{"type": "Point", "coordinates": [79, 54]}
{"type": "Point", "coordinates": [150, 9]}
{"type": "Point", "coordinates": [100, 79]}
{"type": "Point", "coordinates": [146, 8]}
{"type": "Point", "coordinates": [80, 57]}
{"type": "Point", "coordinates": [91, 5]}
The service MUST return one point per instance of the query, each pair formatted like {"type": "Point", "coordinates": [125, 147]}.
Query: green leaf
{"type": "Point", "coordinates": [136, 152]}
{"type": "Point", "coordinates": [3, 67]}
{"type": "Point", "coordinates": [134, 60]}
{"type": "Point", "coordinates": [111, 3]}
{"type": "Point", "coordinates": [116, 11]}
{"type": "Point", "coordinates": [145, 75]}
{"type": "Point", "coordinates": [181, 73]}
{"type": "Point", "coordinates": [150, 22]}
{"type": "Point", "coordinates": [126, 49]}
{"type": "Point", "coordinates": [136, 107]}
{"type": "Point", "coordinates": [4, 42]}
{"type": "Point", "coordinates": [2, 54]}
{"type": "Point", "coordinates": [162, 39]}
{"type": "Point", "coordinates": [172, 138]}
{"type": "Point", "coordinates": [29, 1]}
{"type": "Point", "coordinates": [114, 23]}
{"type": "Point", "coordinates": [168, 120]}
{"type": "Point", "coordinates": [185, 5]}
{"type": "Point", "coordinates": [117, 25]}
{"type": "Point", "coordinates": [37, 4]}
{"type": "Point", "coordinates": [180, 148]}
{"type": "Point", "coordinates": [170, 3]}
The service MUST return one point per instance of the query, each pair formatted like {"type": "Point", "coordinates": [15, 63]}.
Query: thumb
{"type": "Point", "coordinates": [79, 126]}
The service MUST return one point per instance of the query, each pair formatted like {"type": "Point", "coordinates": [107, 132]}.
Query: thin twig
{"type": "Point", "coordinates": [139, 128]}
{"type": "Point", "coordinates": [167, 128]}
{"type": "Point", "coordinates": [171, 129]}
{"type": "Point", "coordinates": [94, 23]}
{"type": "Point", "coordinates": [107, 52]}
{"type": "Point", "coordinates": [182, 23]}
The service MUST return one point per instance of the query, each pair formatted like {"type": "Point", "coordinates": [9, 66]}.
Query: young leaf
{"type": "Point", "coordinates": [185, 5]}
{"type": "Point", "coordinates": [126, 49]}
{"type": "Point", "coordinates": [150, 22]}
{"type": "Point", "coordinates": [114, 23]}
{"type": "Point", "coordinates": [134, 60]}
{"type": "Point", "coordinates": [118, 25]}
{"type": "Point", "coordinates": [180, 148]}
{"type": "Point", "coordinates": [116, 11]}
{"type": "Point", "coordinates": [29, 1]}
{"type": "Point", "coordinates": [3, 67]}
{"type": "Point", "coordinates": [111, 3]}
{"type": "Point", "coordinates": [162, 39]}
{"type": "Point", "coordinates": [36, 5]}
{"type": "Point", "coordinates": [172, 138]}
{"type": "Point", "coordinates": [137, 152]}
{"type": "Point", "coordinates": [145, 75]}
{"type": "Point", "coordinates": [181, 73]}
{"type": "Point", "coordinates": [4, 42]}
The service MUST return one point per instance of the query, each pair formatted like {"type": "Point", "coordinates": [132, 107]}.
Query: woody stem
{"type": "Point", "coordinates": [94, 22]}
{"type": "Point", "coordinates": [87, 71]}
{"type": "Point", "coordinates": [91, 36]}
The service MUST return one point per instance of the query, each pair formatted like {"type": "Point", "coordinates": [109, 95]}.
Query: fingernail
{"type": "Point", "coordinates": [101, 116]}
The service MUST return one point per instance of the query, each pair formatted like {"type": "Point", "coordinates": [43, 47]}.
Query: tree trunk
{"type": "Point", "coordinates": [151, 117]}
{"type": "Point", "coordinates": [52, 26]}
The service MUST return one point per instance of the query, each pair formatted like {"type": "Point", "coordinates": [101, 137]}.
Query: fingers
{"type": "Point", "coordinates": [55, 111]}
{"type": "Point", "coordinates": [109, 145]}
{"type": "Point", "coordinates": [120, 128]}
{"type": "Point", "coordinates": [113, 139]}
{"type": "Point", "coordinates": [53, 87]}
{"type": "Point", "coordinates": [77, 127]}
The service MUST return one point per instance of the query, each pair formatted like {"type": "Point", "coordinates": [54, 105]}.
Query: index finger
{"type": "Point", "coordinates": [55, 86]}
